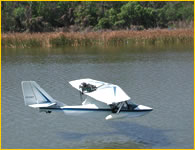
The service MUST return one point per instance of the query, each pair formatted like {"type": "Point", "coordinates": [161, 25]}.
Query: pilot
{"type": "Point", "coordinates": [83, 87]}
{"type": "Point", "coordinates": [87, 87]}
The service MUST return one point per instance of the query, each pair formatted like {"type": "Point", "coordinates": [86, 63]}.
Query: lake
{"type": "Point", "coordinates": [158, 77]}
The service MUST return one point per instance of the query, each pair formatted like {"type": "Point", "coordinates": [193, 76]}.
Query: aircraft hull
{"type": "Point", "coordinates": [81, 110]}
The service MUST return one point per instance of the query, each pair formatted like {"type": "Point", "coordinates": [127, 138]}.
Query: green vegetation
{"type": "Point", "coordinates": [40, 16]}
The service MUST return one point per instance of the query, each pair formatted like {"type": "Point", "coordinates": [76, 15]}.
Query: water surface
{"type": "Point", "coordinates": [161, 78]}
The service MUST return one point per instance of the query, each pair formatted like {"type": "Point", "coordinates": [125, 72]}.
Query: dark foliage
{"type": "Point", "coordinates": [39, 16]}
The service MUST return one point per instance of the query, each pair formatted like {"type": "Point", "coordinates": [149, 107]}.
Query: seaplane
{"type": "Point", "coordinates": [97, 97]}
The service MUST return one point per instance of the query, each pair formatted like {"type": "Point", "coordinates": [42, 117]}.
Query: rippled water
{"type": "Point", "coordinates": [159, 78]}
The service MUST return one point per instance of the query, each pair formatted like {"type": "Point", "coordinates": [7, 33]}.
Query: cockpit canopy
{"type": "Point", "coordinates": [127, 105]}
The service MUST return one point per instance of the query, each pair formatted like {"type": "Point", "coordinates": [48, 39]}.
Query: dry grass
{"type": "Point", "coordinates": [105, 38]}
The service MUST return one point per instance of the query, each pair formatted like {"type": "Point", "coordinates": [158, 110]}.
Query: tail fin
{"type": "Point", "coordinates": [35, 96]}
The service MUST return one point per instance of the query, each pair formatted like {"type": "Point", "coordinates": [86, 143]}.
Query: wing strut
{"type": "Point", "coordinates": [117, 114]}
{"type": "Point", "coordinates": [120, 106]}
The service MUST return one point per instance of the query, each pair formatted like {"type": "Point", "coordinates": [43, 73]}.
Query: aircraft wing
{"type": "Point", "coordinates": [106, 92]}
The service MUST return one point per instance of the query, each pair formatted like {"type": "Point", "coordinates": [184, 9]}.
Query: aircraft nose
{"type": "Point", "coordinates": [142, 107]}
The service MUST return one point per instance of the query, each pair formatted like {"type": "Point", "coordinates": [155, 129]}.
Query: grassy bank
{"type": "Point", "coordinates": [105, 38]}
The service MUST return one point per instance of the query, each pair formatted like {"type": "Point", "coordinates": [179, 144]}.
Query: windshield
{"type": "Point", "coordinates": [128, 105]}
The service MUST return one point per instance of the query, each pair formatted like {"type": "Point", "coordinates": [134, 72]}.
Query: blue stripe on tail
{"type": "Point", "coordinates": [43, 95]}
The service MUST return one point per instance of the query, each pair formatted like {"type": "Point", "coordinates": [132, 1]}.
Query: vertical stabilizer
{"type": "Point", "coordinates": [34, 94]}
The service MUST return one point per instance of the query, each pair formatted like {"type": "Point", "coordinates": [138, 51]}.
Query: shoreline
{"type": "Point", "coordinates": [99, 38]}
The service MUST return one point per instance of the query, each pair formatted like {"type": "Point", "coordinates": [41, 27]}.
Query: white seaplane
{"type": "Point", "coordinates": [97, 97]}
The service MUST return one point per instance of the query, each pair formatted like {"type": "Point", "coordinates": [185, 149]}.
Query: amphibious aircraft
{"type": "Point", "coordinates": [98, 97]}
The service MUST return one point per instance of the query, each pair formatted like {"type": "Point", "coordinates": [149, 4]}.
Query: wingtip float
{"type": "Point", "coordinates": [99, 97]}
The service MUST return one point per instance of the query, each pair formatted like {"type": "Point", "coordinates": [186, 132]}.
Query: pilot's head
{"type": "Point", "coordinates": [84, 84]}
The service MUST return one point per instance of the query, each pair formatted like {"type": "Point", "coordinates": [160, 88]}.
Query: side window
{"type": "Point", "coordinates": [125, 105]}
{"type": "Point", "coordinates": [129, 102]}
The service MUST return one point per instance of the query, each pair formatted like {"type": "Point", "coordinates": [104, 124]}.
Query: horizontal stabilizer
{"type": "Point", "coordinates": [42, 105]}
